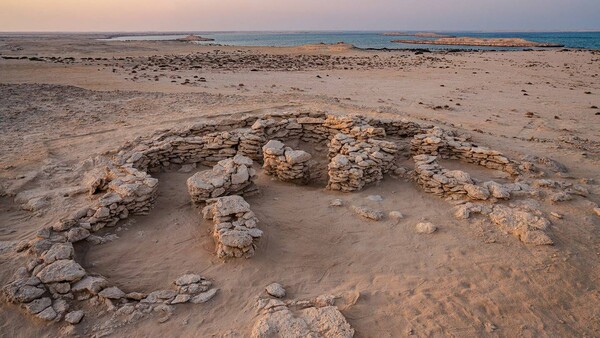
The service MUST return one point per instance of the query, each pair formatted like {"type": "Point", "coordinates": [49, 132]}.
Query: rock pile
{"type": "Point", "coordinates": [358, 159]}
{"type": "Point", "coordinates": [231, 176]}
{"type": "Point", "coordinates": [301, 318]}
{"type": "Point", "coordinates": [285, 163]}
{"type": "Point", "coordinates": [527, 225]}
{"type": "Point", "coordinates": [235, 231]}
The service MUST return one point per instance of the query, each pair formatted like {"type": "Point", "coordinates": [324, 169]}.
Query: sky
{"type": "Point", "coordinates": [253, 15]}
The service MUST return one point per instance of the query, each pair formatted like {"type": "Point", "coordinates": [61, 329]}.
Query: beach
{"type": "Point", "coordinates": [68, 98]}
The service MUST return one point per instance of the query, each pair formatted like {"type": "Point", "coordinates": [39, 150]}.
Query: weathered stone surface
{"type": "Point", "coordinates": [521, 223]}
{"type": "Point", "coordinates": [236, 238]}
{"type": "Point", "coordinates": [237, 235]}
{"type": "Point", "coordinates": [74, 317]}
{"type": "Point", "coordinates": [188, 279]}
{"type": "Point", "coordinates": [160, 296]}
{"type": "Point", "coordinates": [48, 314]}
{"type": "Point", "coordinates": [112, 293]}
{"type": "Point", "coordinates": [476, 192]}
{"type": "Point", "coordinates": [396, 215]}
{"type": "Point", "coordinates": [204, 296]}
{"type": "Point", "coordinates": [280, 321]}
{"type": "Point", "coordinates": [372, 214]}
{"type": "Point", "coordinates": [497, 190]}
{"type": "Point", "coordinates": [91, 284]}
{"type": "Point", "coordinates": [20, 292]}
{"type": "Point", "coordinates": [58, 251]}
{"type": "Point", "coordinates": [425, 228]}
{"type": "Point", "coordinates": [61, 271]}
{"type": "Point", "coordinates": [38, 305]}
{"type": "Point", "coordinates": [182, 298]}
{"type": "Point", "coordinates": [77, 234]}
{"type": "Point", "coordinates": [275, 290]}
{"type": "Point", "coordinates": [336, 202]}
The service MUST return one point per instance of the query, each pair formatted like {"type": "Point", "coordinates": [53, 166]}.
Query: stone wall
{"type": "Point", "coordinates": [357, 159]}
{"type": "Point", "coordinates": [447, 145]}
{"type": "Point", "coordinates": [285, 163]}
{"type": "Point", "coordinates": [228, 177]}
{"type": "Point", "coordinates": [235, 231]}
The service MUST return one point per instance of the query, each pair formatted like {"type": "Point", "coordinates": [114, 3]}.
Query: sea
{"type": "Point", "coordinates": [368, 40]}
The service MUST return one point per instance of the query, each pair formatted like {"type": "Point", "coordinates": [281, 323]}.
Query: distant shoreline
{"type": "Point", "coordinates": [481, 42]}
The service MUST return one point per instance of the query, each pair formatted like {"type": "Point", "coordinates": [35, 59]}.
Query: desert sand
{"type": "Point", "coordinates": [67, 101]}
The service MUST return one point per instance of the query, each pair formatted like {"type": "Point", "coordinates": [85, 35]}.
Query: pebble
{"type": "Point", "coordinates": [425, 228]}
{"type": "Point", "coordinates": [275, 290]}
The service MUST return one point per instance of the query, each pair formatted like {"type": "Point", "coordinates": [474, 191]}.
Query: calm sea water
{"type": "Point", "coordinates": [589, 40]}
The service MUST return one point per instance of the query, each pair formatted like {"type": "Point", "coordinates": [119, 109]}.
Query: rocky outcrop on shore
{"type": "Point", "coordinates": [468, 41]}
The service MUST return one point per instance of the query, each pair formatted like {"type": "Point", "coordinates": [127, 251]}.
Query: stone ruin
{"type": "Point", "coordinates": [317, 317]}
{"type": "Point", "coordinates": [230, 176]}
{"type": "Point", "coordinates": [285, 163]}
{"type": "Point", "coordinates": [358, 158]}
{"type": "Point", "coordinates": [361, 151]}
{"type": "Point", "coordinates": [235, 230]}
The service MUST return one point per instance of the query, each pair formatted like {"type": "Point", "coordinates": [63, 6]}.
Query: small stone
{"type": "Point", "coordinates": [425, 228]}
{"type": "Point", "coordinates": [375, 198]}
{"type": "Point", "coordinates": [38, 305]}
{"type": "Point", "coordinates": [74, 317]}
{"type": "Point", "coordinates": [90, 284]}
{"type": "Point", "coordinates": [275, 290]}
{"type": "Point", "coordinates": [396, 215]}
{"type": "Point", "coordinates": [135, 295]}
{"type": "Point", "coordinates": [77, 234]}
{"type": "Point", "coordinates": [476, 192]}
{"type": "Point", "coordinates": [188, 279]}
{"type": "Point", "coordinates": [112, 293]}
{"type": "Point", "coordinates": [204, 296]}
{"type": "Point", "coordinates": [336, 202]}
{"type": "Point", "coordinates": [597, 211]}
{"type": "Point", "coordinates": [368, 213]}
{"type": "Point", "coordinates": [556, 215]}
{"type": "Point", "coordinates": [182, 298]}
{"type": "Point", "coordinates": [48, 314]}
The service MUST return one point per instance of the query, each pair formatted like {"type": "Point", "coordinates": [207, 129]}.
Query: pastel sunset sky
{"type": "Point", "coordinates": [211, 15]}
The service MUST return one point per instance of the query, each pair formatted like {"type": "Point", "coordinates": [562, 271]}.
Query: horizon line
{"type": "Point", "coordinates": [306, 31]}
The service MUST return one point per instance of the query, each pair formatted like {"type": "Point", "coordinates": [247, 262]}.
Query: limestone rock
{"type": "Point", "coordinates": [309, 322]}
{"type": "Point", "coordinates": [58, 251]}
{"type": "Point", "coordinates": [20, 291]}
{"type": "Point", "coordinates": [38, 305]}
{"type": "Point", "coordinates": [204, 296]}
{"type": "Point", "coordinates": [396, 215]}
{"type": "Point", "coordinates": [275, 290]}
{"type": "Point", "coordinates": [91, 284]}
{"type": "Point", "coordinates": [61, 271]}
{"type": "Point", "coordinates": [48, 314]}
{"type": "Point", "coordinates": [112, 293]}
{"type": "Point", "coordinates": [336, 202]}
{"type": "Point", "coordinates": [74, 317]}
{"type": "Point", "coordinates": [476, 192]}
{"type": "Point", "coordinates": [188, 279]}
{"type": "Point", "coordinates": [521, 223]}
{"type": "Point", "coordinates": [181, 298]}
{"type": "Point", "coordinates": [425, 228]}
{"type": "Point", "coordinates": [372, 214]}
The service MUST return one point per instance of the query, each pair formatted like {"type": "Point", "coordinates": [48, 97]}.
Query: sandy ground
{"type": "Point", "coordinates": [468, 279]}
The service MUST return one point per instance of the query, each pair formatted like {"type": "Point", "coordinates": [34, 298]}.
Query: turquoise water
{"type": "Point", "coordinates": [589, 40]}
